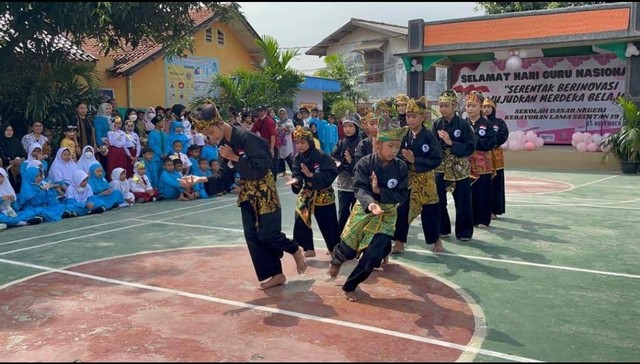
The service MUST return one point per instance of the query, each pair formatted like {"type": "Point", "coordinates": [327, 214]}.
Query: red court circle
{"type": "Point", "coordinates": [202, 304]}
{"type": "Point", "coordinates": [534, 185]}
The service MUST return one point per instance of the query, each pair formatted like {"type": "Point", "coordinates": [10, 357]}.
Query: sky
{"type": "Point", "coordinates": [305, 24]}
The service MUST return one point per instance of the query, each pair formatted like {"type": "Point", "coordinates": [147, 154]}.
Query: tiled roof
{"type": "Point", "coordinates": [59, 42]}
{"type": "Point", "coordinates": [128, 58]}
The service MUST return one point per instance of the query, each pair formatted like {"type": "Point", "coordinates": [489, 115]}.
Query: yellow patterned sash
{"type": "Point", "coordinates": [454, 169]}
{"type": "Point", "coordinates": [362, 227]}
{"type": "Point", "coordinates": [423, 191]}
{"type": "Point", "coordinates": [261, 194]}
{"type": "Point", "coordinates": [497, 157]}
{"type": "Point", "coordinates": [480, 163]}
{"type": "Point", "coordinates": [308, 199]}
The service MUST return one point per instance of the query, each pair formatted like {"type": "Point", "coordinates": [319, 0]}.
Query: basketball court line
{"type": "Point", "coordinates": [373, 329]}
{"type": "Point", "coordinates": [625, 275]}
{"type": "Point", "coordinates": [118, 221]}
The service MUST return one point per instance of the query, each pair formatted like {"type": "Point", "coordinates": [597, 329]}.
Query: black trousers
{"type": "Point", "coordinates": [379, 248]}
{"type": "Point", "coordinates": [346, 201]}
{"type": "Point", "coordinates": [274, 164]}
{"type": "Point", "coordinates": [464, 210]}
{"type": "Point", "coordinates": [497, 193]}
{"type": "Point", "coordinates": [282, 167]}
{"type": "Point", "coordinates": [429, 216]}
{"type": "Point", "coordinates": [327, 220]}
{"type": "Point", "coordinates": [481, 200]}
{"type": "Point", "coordinates": [267, 242]}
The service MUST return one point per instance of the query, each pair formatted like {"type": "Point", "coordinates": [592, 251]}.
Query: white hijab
{"type": "Point", "coordinates": [117, 184]}
{"type": "Point", "coordinates": [85, 163]}
{"type": "Point", "coordinates": [33, 146]}
{"type": "Point", "coordinates": [61, 170]}
{"type": "Point", "coordinates": [5, 187]}
{"type": "Point", "coordinates": [73, 192]}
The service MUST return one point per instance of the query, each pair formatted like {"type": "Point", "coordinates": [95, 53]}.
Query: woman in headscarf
{"type": "Point", "coordinates": [12, 155]}
{"type": "Point", "coordinates": [100, 186]}
{"type": "Point", "coordinates": [8, 207]}
{"type": "Point", "coordinates": [284, 127]}
{"type": "Point", "coordinates": [34, 195]}
{"type": "Point", "coordinates": [87, 159]}
{"type": "Point", "coordinates": [101, 123]}
{"type": "Point", "coordinates": [144, 126]}
{"type": "Point", "coordinates": [62, 168]}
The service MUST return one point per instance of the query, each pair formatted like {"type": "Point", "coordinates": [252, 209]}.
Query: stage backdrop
{"type": "Point", "coordinates": [554, 96]}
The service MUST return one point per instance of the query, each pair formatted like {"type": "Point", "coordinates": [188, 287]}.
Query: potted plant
{"type": "Point", "coordinates": [625, 143]}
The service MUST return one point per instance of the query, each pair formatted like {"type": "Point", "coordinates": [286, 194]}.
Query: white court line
{"type": "Point", "coordinates": [424, 251]}
{"type": "Point", "coordinates": [590, 183]}
{"type": "Point", "coordinates": [108, 231]}
{"type": "Point", "coordinates": [625, 275]}
{"type": "Point", "coordinates": [117, 222]}
{"type": "Point", "coordinates": [574, 205]}
{"type": "Point", "coordinates": [304, 316]}
{"type": "Point", "coordinates": [106, 223]}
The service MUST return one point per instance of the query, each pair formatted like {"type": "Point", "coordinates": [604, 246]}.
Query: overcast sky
{"type": "Point", "coordinates": [305, 24]}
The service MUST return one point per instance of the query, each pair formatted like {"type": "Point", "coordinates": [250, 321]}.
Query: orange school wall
{"type": "Point", "coordinates": [148, 83]}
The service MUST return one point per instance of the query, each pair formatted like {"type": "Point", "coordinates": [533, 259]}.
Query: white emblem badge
{"type": "Point", "coordinates": [457, 133]}
{"type": "Point", "coordinates": [425, 147]}
{"type": "Point", "coordinates": [482, 132]}
{"type": "Point", "coordinates": [392, 183]}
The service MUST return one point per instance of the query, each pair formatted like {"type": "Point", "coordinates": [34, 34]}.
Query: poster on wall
{"type": "Point", "coordinates": [188, 78]}
{"type": "Point", "coordinates": [553, 96]}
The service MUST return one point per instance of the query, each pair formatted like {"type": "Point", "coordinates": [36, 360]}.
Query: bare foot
{"type": "Point", "coordinates": [494, 216]}
{"type": "Point", "coordinates": [276, 280]}
{"type": "Point", "coordinates": [334, 269]}
{"type": "Point", "coordinates": [464, 239]}
{"type": "Point", "coordinates": [310, 253]}
{"type": "Point", "coordinates": [398, 248]}
{"type": "Point", "coordinates": [445, 235]}
{"type": "Point", "coordinates": [351, 296]}
{"type": "Point", "coordinates": [482, 226]}
{"type": "Point", "coordinates": [438, 247]}
{"type": "Point", "coordinates": [301, 263]}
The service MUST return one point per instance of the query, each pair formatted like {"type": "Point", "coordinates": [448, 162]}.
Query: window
{"type": "Point", "coordinates": [430, 74]}
{"type": "Point", "coordinates": [374, 61]}
{"type": "Point", "coordinates": [220, 37]}
{"type": "Point", "coordinates": [208, 35]}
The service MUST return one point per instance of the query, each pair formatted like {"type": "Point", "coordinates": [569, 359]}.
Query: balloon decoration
{"type": "Point", "coordinates": [519, 140]}
{"type": "Point", "coordinates": [587, 142]}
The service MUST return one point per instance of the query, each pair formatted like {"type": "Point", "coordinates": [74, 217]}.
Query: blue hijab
{"type": "Point", "coordinates": [173, 136]}
{"type": "Point", "coordinates": [97, 184]}
{"type": "Point", "coordinates": [29, 187]}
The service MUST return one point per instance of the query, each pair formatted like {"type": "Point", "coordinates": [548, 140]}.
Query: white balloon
{"type": "Point", "coordinates": [531, 136]}
{"type": "Point", "coordinates": [512, 136]}
{"type": "Point", "coordinates": [514, 63]}
{"type": "Point", "coordinates": [592, 147]}
{"type": "Point", "coordinates": [418, 67]}
{"type": "Point", "coordinates": [597, 138]}
{"type": "Point", "coordinates": [577, 136]}
{"type": "Point", "coordinates": [539, 142]}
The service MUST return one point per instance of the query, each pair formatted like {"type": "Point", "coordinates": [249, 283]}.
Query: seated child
{"type": "Point", "coordinates": [140, 184]}
{"type": "Point", "coordinates": [169, 183]}
{"type": "Point", "coordinates": [186, 163]}
{"type": "Point", "coordinates": [100, 186]}
{"type": "Point", "coordinates": [8, 214]}
{"type": "Point", "coordinates": [120, 182]}
{"type": "Point", "coordinates": [191, 193]}
{"type": "Point", "coordinates": [80, 198]}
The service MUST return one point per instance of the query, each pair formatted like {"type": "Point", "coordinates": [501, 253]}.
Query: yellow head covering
{"type": "Point", "coordinates": [417, 106]}
{"type": "Point", "coordinates": [475, 97]}
{"type": "Point", "coordinates": [205, 117]}
{"type": "Point", "coordinates": [402, 99]}
{"type": "Point", "coordinates": [302, 133]}
{"type": "Point", "coordinates": [449, 96]}
{"type": "Point", "coordinates": [489, 102]}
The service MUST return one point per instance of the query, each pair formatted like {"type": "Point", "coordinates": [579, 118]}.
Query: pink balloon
{"type": "Point", "coordinates": [581, 147]}
{"type": "Point", "coordinates": [529, 146]}
{"type": "Point", "coordinates": [539, 142]}
{"type": "Point", "coordinates": [577, 136]}
{"type": "Point", "coordinates": [592, 147]}
{"type": "Point", "coordinates": [531, 136]}
{"type": "Point", "coordinates": [515, 145]}
{"type": "Point", "coordinates": [574, 142]}
{"type": "Point", "coordinates": [587, 138]}
{"type": "Point", "coordinates": [505, 145]}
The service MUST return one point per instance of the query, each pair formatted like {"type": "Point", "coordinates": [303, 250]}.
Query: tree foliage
{"type": "Point", "coordinates": [491, 7]}
{"type": "Point", "coordinates": [42, 83]}
{"type": "Point", "coordinates": [274, 83]}
{"type": "Point", "coordinates": [348, 73]}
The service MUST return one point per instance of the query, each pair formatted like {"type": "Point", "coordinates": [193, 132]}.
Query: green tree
{"type": "Point", "coordinates": [53, 83]}
{"type": "Point", "coordinates": [348, 73]}
{"type": "Point", "coordinates": [491, 7]}
{"type": "Point", "coordinates": [273, 82]}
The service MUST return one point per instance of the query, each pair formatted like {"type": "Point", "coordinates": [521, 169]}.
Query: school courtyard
{"type": "Point", "coordinates": [555, 279]}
